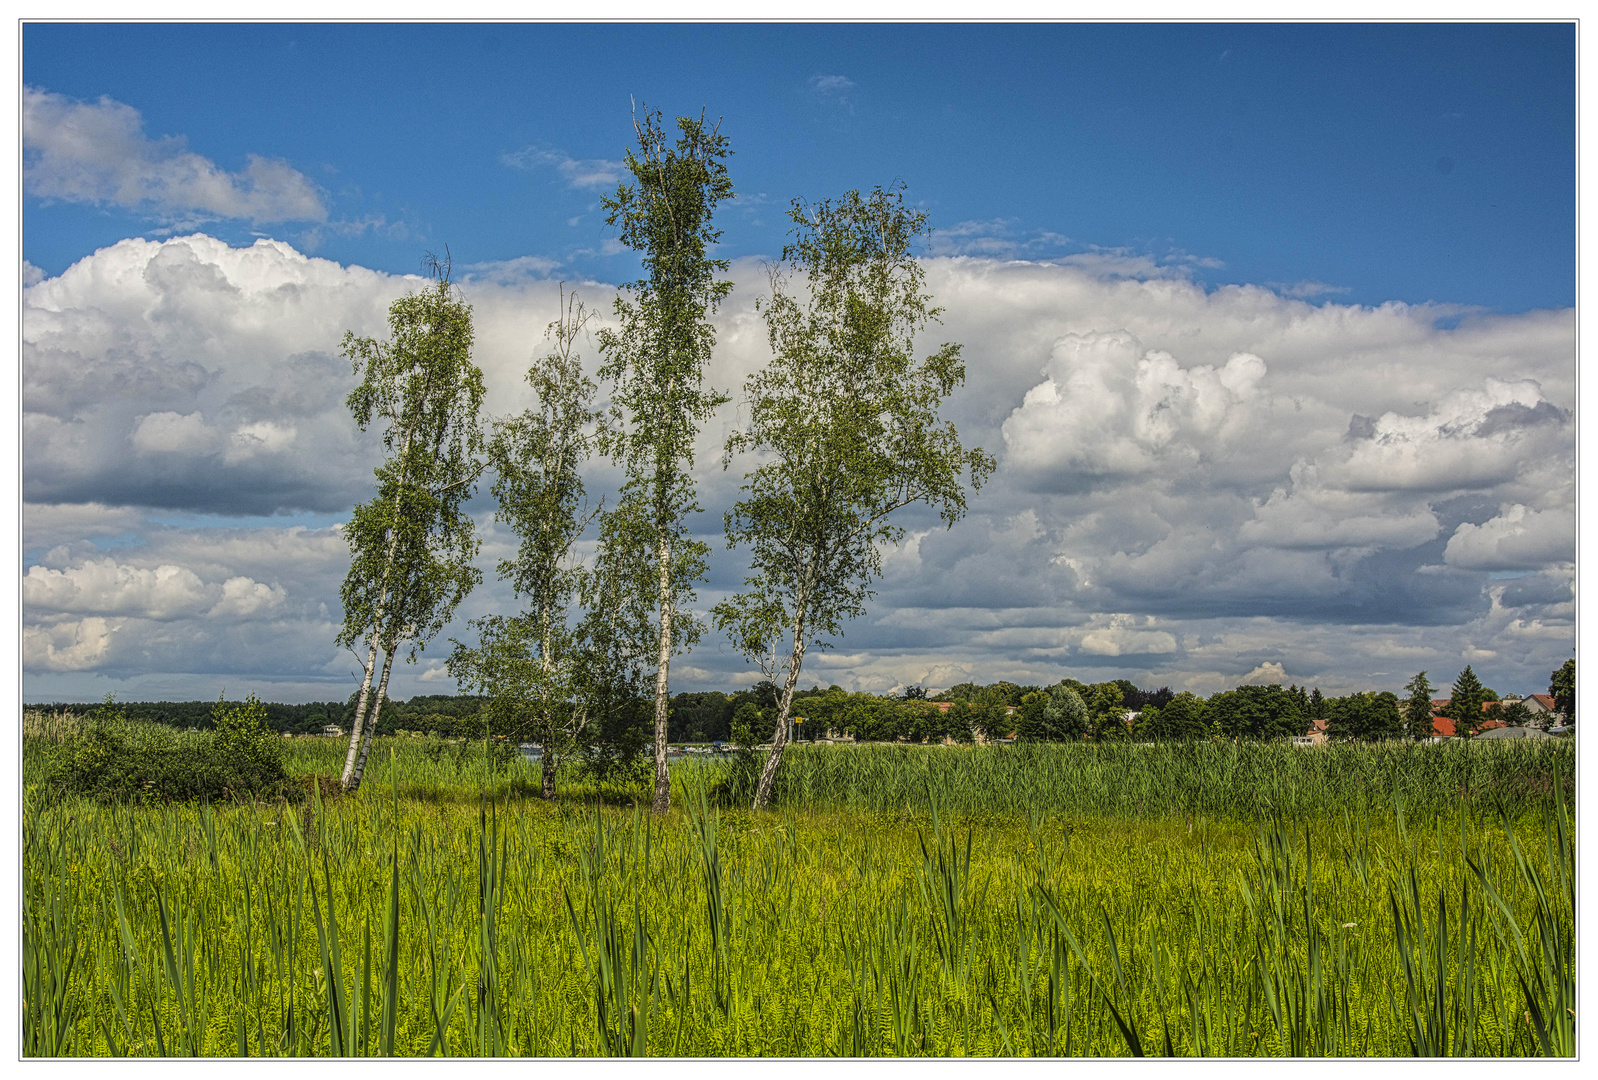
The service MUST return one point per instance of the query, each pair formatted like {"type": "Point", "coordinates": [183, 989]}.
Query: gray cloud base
{"type": "Point", "coordinates": [1195, 487]}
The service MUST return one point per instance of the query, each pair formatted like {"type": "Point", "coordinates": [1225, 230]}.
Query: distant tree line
{"type": "Point", "coordinates": [446, 714]}
{"type": "Point", "coordinates": [1067, 710]}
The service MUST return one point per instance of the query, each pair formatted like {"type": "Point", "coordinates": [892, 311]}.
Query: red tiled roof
{"type": "Point", "coordinates": [1444, 726]}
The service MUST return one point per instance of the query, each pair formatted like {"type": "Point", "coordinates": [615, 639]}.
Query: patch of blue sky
{"type": "Point", "coordinates": [1423, 162]}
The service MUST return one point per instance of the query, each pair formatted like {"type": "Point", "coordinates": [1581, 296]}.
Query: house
{"type": "Point", "coordinates": [333, 731]}
{"type": "Point", "coordinates": [1541, 703]}
{"type": "Point", "coordinates": [1316, 735]}
{"type": "Point", "coordinates": [1443, 726]}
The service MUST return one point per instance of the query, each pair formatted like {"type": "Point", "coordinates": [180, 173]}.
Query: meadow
{"type": "Point", "coordinates": [1216, 900]}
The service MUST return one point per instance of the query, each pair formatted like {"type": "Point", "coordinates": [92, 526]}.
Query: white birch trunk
{"type": "Point", "coordinates": [355, 760]}
{"type": "Point", "coordinates": [779, 739]}
{"type": "Point", "coordinates": [547, 755]}
{"type": "Point", "coordinates": [360, 715]}
{"type": "Point", "coordinates": [662, 801]}
{"type": "Point", "coordinates": [371, 729]}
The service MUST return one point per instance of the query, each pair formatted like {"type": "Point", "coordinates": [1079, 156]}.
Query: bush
{"type": "Point", "coordinates": [119, 760]}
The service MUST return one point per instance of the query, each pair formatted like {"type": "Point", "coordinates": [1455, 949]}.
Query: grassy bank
{"type": "Point", "coordinates": [1244, 781]}
{"type": "Point", "coordinates": [421, 918]}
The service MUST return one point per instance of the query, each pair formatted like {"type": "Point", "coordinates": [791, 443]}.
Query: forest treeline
{"type": "Point", "coordinates": [1069, 710]}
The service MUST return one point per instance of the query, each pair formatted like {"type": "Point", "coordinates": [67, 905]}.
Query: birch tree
{"type": "Point", "coordinates": [411, 546]}
{"type": "Point", "coordinates": [530, 664]}
{"type": "Point", "coordinates": [847, 420]}
{"type": "Point", "coordinates": [655, 358]}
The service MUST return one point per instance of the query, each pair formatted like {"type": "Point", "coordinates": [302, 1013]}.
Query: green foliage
{"type": "Point", "coordinates": [1418, 707]}
{"type": "Point", "coordinates": [1062, 715]}
{"type": "Point", "coordinates": [701, 717]}
{"type": "Point", "coordinates": [845, 419]}
{"type": "Point", "coordinates": [959, 722]}
{"type": "Point", "coordinates": [1368, 717]}
{"type": "Point", "coordinates": [1258, 712]}
{"type": "Point", "coordinates": [307, 718]}
{"type": "Point", "coordinates": [241, 735]}
{"type": "Point", "coordinates": [1106, 708]}
{"type": "Point", "coordinates": [751, 725]}
{"type": "Point", "coordinates": [1515, 714]}
{"type": "Point", "coordinates": [655, 359]}
{"type": "Point", "coordinates": [1181, 720]}
{"type": "Point", "coordinates": [119, 760]}
{"type": "Point", "coordinates": [999, 693]}
{"type": "Point", "coordinates": [1243, 781]}
{"type": "Point", "coordinates": [623, 721]}
{"type": "Point", "coordinates": [412, 544]}
{"type": "Point", "coordinates": [534, 668]}
{"type": "Point", "coordinates": [1088, 899]}
{"type": "Point", "coordinates": [1465, 705]}
{"type": "Point", "coordinates": [1562, 685]}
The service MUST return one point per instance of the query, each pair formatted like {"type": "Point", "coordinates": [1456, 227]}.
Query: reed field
{"type": "Point", "coordinates": [1211, 900]}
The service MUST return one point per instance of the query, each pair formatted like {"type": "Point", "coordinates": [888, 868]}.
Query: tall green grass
{"type": "Point", "coordinates": [1243, 781]}
{"type": "Point", "coordinates": [403, 922]}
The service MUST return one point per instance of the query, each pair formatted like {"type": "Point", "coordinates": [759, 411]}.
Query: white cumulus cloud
{"type": "Point", "coordinates": [1474, 438]}
{"type": "Point", "coordinates": [97, 152]}
{"type": "Point", "coordinates": [78, 645]}
{"type": "Point", "coordinates": [1195, 486]}
{"type": "Point", "coordinates": [1109, 408]}
{"type": "Point", "coordinates": [1519, 538]}
{"type": "Point", "coordinates": [1120, 636]}
{"type": "Point", "coordinates": [107, 587]}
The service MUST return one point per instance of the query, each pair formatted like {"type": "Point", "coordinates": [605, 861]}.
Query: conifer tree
{"type": "Point", "coordinates": [1465, 707]}
{"type": "Point", "coordinates": [1418, 706]}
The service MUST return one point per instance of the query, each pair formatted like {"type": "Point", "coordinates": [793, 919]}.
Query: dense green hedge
{"type": "Point", "coordinates": [119, 759]}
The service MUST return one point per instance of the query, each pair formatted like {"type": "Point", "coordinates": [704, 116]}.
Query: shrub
{"type": "Point", "coordinates": [119, 760]}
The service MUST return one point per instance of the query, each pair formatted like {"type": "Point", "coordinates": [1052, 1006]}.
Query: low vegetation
{"type": "Point", "coordinates": [110, 758]}
{"type": "Point", "coordinates": [1053, 900]}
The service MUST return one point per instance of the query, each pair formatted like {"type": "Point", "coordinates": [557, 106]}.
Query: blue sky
{"type": "Point", "coordinates": [1270, 328]}
{"type": "Point", "coordinates": [1388, 162]}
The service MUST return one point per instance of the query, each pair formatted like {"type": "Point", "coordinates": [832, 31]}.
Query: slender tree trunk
{"type": "Point", "coordinates": [768, 775]}
{"type": "Point", "coordinates": [546, 751]}
{"type": "Point", "coordinates": [548, 756]}
{"type": "Point", "coordinates": [360, 715]}
{"type": "Point", "coordinates": [355, 760]}
{"type": "Point", "coordinates": [371, 729]}
{"type": "Point", "coordinates": [662, 702]}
